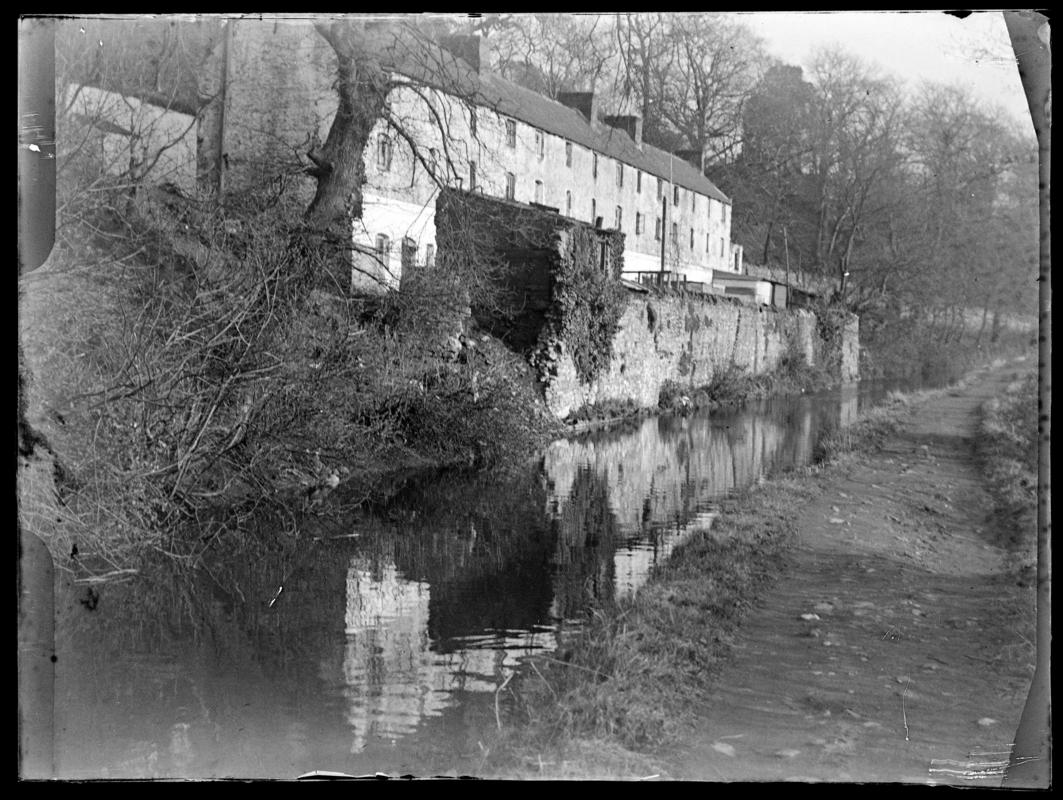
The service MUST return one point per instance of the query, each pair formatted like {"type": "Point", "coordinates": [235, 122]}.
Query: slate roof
{"type": "Point", "coordinates": [429, 64]}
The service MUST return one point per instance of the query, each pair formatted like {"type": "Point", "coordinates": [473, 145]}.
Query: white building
{"type": "Point", "coordinates": [268, 87]}
{"type": "Point", "coordinates": [478, 131]}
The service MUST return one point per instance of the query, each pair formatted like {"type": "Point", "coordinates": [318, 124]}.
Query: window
{"type": "Point", "coordinates": [675, 234]}
{"type": "Point", "coordinates": [603, 256]}
{"type": "Point", "coordinates": [693, 202]}
{"type": "Point", "coordinates": [511, 186]}
{"type": "Point", "coordinates": [594, 211]}
{"type": "Point", "coordinates": [472, 122]}
{"type": "Point", "coordinates": [568, 204]}
{"type": "Point", "coordinates": [638, 223]}
{"type": "Point", "coordinates": [409, 252]}
{"type": "Point", "coordinates": [383, 248]}
{"type": "Point", "coordinates": [383, 152]}
{"type": "Point", "coordinates": [540, 145]}
{"type": "Point", "coordinates": [675, 196]}
{"type": "Point", "coordinates": [594, 166]}
{"type": "Point", "coordinates": [638, 181]}
{"type": "Point", "coordinates": [430, 254]}
{"type": "Point", "coordinates": [660, 188]}
{"type": "Point", "coordinates": [657, 230]}
{"type": "Point", "coordinates": [691, 238]}
{"type": "Point", "coordinates": [472, 176]}
{"type": "Point", "coordinates": [619, 174]}
{"type": "Point", "coordinates": [708, 243]}
{"type": "Point", "coordinates": [721, 246]}
{"type": "Point", "coordinates": [511, 133]}
{"type": "Point", "coordinates": [619, 217]}
{"type": "Point", "coordinates": [538, 191]}
{"type": "Point", "coordinates": [568, 154]}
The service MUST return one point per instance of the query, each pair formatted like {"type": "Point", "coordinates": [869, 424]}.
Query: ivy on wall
{"type": "Point", "coordinates": [588, 299]}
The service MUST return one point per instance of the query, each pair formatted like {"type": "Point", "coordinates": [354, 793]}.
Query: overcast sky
{"type": "Point", "coordinates": [914, 46]}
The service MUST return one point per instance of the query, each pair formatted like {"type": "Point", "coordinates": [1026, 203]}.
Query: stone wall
{"type": "Point", "coordinates": [686, 340]}
{"type": "Point", "coordinates": [850, 350]}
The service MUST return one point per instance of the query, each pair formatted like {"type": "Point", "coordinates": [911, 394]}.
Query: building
{"type": "Point", "coordinates": [268, 91]}
{"type": "Point", "coordinates": [492, 136]}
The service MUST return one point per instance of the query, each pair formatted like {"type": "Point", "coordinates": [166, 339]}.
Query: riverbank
{"type": "Point", "coordinates": [776, 645]}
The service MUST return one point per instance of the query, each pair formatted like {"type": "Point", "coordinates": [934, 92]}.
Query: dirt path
{"type": "Point", "coordinates": [893, 649]}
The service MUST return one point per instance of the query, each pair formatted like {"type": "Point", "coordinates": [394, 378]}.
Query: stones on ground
{"type": "Point", "coordinates": [810, 617]}
{"type": "Point", "coordinates": [987, 722]}
{"type": "Point", "coordinates": [823, 608]}
{"type": "Point", "coordinates": [787, 753]}
{"type": "Point", "coordinates": [836, 521]}
{"type": "Point", "coordinates": [723, 747]}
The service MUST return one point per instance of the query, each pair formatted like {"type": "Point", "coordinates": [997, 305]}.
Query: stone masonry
{"type": "Point", "coordinates": [687, 340]}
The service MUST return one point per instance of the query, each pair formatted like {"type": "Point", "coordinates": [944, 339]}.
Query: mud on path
{"type": "Point", "coordinates": [896, 647]}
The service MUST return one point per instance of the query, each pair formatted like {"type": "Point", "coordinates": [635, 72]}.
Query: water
{"type": "Point", "coordinates": [376, 641]}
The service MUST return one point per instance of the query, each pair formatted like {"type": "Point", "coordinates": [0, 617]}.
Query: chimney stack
{"type": "Point", "coordinates": [630, 123]}
{"type": "Point", "coordinates": [469, 49]}
{"type": "Point", "coordinates": [695, 157]}
{"type": "Point", "coordinates": [585, 103]}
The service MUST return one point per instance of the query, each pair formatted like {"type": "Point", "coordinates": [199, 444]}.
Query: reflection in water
{"type": "Point", "coordinates": [385, 639]}
{"type": "Point", "coordinates": [388, 678]}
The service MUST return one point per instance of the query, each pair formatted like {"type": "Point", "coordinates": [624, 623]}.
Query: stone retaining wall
{"type": "Point", "coordinates": [687, 340]}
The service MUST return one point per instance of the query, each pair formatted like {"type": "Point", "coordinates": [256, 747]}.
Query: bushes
{"type": "Point", "coordinates": [1008, 450]}
{"type": "Point", "coordinates": [184, 364]}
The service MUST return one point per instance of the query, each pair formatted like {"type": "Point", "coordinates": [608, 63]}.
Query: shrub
{"type": "Point", "coordinates": [192, 363]}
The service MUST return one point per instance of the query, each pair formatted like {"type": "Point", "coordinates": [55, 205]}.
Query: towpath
{"type": "Point", "coordinates": [896, 647]}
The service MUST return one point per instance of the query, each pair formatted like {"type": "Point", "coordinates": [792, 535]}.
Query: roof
{"type": "Point", "coordinates": [427, 63]}
{"type": "Point", "coordinates": [718, 275]}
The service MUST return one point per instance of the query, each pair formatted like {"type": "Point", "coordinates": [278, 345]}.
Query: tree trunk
{"type": "Point", "coordinates": [337, 165]}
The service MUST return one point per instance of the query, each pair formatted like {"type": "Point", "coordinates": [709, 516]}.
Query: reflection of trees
{"type": "Point", "coordinates": [587, 535]}
{"type": "Point", "coordinates": [481, 542]}
{"type": "Point", "coordinates": [403, 615]}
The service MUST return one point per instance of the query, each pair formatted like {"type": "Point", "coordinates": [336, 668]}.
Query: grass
{"type": "Point", "coordinates": [868, 432]}
{"type": "Point", "coordinates": [1007, 450]}
{"type": "Point", "coordinates": [627, 684]}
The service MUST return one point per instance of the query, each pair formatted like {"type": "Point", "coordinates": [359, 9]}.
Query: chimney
{"type": "Point", "coordinates": [695, 157]}
{"type": "Point", "coordinates": [469, 49]}
{"type": "Point", "coordinates": [632, 124]}
{"type": "Point", "coordinates": [585, 103]}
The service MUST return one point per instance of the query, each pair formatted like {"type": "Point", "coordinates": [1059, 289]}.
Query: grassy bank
{"type": "Point", "coordinates": [626, 687]}
{"type": "Point", "coordinates": [623, 687]}
{"type": "Point", "coordinates": [1007, 448]}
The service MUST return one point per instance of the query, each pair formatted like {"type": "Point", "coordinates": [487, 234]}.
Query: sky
{"type": "Point", "coordinates": [913, 46]}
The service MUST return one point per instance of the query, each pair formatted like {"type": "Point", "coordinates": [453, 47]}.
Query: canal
{"type": "Point", "coordinates": [375, 639]}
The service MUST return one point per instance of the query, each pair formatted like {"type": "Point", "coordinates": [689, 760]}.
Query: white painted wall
{"type": "Point", "coordinates": [159, 145]}
{"type": "Point", "coordinates": [406, 186]}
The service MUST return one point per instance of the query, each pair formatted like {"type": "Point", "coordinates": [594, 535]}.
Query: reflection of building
{"type": "Point", "coordinates": [659, 480]}
{"type": "Point", "coordinates": [392, 678]}
{"type": "Point", "coordinates": [386, 662]}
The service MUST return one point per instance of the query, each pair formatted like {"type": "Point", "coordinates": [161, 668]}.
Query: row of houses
{"type": "Point", "coordinates": [268, 91]}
